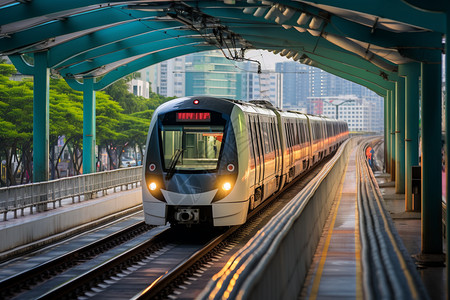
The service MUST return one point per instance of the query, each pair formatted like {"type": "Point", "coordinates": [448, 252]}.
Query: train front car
{"type": "Point", "coordinates": [191, 166]}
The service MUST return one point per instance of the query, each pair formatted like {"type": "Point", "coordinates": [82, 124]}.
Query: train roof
{"type": "Point", "coordinates": [225, 104]}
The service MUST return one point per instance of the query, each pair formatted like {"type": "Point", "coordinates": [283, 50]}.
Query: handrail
{"type": "Point", "coordinates": [36, 196]}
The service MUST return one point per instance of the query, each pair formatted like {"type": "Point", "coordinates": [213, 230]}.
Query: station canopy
{"type": "Point", "coordinates": [363, 41]}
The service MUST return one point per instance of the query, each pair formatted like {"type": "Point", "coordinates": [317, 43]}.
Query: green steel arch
{"type": "Point", "coordinates": [384, 45]}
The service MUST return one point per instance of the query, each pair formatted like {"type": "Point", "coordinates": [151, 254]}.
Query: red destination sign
{"type": "Point", "coordinates": [193, 117]}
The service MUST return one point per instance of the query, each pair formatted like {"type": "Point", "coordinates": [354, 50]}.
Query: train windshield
{"type": "Point", "coordinates": [191, 147]}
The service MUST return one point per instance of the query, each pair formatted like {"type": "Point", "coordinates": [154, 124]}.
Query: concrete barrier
{"type": "Point", "coordinates": [45, 225]}
{"type": "Point", "coordinates": [275, 262]}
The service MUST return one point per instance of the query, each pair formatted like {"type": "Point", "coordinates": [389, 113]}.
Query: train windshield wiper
{"type": "Point", "coordinates": [173, 162]}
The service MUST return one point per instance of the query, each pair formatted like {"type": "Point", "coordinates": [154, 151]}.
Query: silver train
{"type": "Point", "coordinates": [211, 160]}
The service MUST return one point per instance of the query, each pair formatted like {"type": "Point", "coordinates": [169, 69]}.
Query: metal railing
{"type": "Point", "coordinates": [37, 196]}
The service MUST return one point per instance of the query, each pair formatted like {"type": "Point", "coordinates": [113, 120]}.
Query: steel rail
{"type": "Point", "coordinates": [161, 285]}
{"type": "Point", "coordinates": [388, 271]}
{"type": "Point", "coordinates": [78, 285]}
{"type": "Point", "coordinates": [52, 268]}
{"type": "Point", "coordinates": [160, 288]}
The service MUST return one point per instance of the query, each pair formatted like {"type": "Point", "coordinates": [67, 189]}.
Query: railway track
{"type": "Point", "coordinates": [154, 268]}
{"type": "Point", "coordinates": [32, 277]}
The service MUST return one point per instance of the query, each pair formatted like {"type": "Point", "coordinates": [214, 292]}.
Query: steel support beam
{"type": "Point", "coordinates": [411, 72]}
{"type": "Point", "coordinates": [431, 159]}
{"type": "Point", "coordinates": [400, 136]}
{"type": "Point", "coordinates": [88, 126]}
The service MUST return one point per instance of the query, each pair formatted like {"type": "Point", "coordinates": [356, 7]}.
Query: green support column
{"type": "Point", "coordinates": [400, 136]}
{"type": "Point", "coordinates": [41, 117]}
{"type": "Point", "coordinates": [411, 72]}
{"type": "Point", "coordinates": [392, 134]}
{"type": "Point", "coordinates": [386, 131]}
{"type": "Point", "coordinates": [431, 159]}
{"type": "Point", "coordinates": [88, 126]}
{"type": "Point", "coordinates": [447, 141]}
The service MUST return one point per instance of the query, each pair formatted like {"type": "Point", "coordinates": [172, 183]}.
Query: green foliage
{"type": "Point", "coordinates": [66, 111]}
{"type": "Point", "coordinates": [122, 119]}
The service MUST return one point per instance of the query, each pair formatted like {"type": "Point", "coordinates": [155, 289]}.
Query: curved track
{"type": "Point", "coordinates": [142, 263]}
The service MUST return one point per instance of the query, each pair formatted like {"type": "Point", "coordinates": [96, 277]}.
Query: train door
{"type": "Point", "coordinates": [258, 156]}
{"type": "Point", "coordinates": [253, 156]}
{"type": "Point", "coordinates": [289, 148]}
{"type": "Point", "coordinates": [260, 148]}
{"type": "Point", "coordinates": [256, 152]}
{"type": "Point", "coordinates": [276, 147]}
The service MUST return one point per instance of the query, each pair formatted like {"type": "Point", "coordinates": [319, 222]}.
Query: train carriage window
{"type": "Point", "coordinates": [265, 137]}
{"type": "Point", "coordinates": [277, 135]}
{"type": "Point", "coordinates": [291, 127]}
{"type": "Point", "coordinates": [274, 136]}
{"type": "Point", "coordinates": [305, 131]}
{"type": "Point", "coordinates": [294, 131]}
{"type": "Point", "coordinates": [302, 132]}
{"type": "Point", "coordinates": [289, 136]}
{"type": "Point", "coordinates": [269, 138]}
{"type": "Point", "coordinates": [291, 131]}
{"type": "Point", "coordinates": [270, 134]}
{"type": "Point", "coordinates": [258, 137]}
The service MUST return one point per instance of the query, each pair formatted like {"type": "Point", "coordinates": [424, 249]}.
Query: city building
{"type": "Point", "coordinates": [294, 85]}
{"type": "Point", "coordinates": [256, 86]}
{"type": "Point", "coordinates": [168, 77]}
{"type": "Point", "coordinates": [140, 87]}
{"type": "Point", "coordinates": [361, 113]}
{"type": "Point", "coordinates": [210, 73]}
{"type": "Point", "coordinates": [291, 86]}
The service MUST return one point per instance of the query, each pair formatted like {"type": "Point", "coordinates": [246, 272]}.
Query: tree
{"type": "Point", "coordinates": [109, 116]}
{"type": "Point", "coordinates": [16, 119]}
{"type": "Point", "coordinates": [122, 120]}
{"type": "Point", "coordinates": [135, 127]}
{"type": "Point", "coordinates": [66, 119]}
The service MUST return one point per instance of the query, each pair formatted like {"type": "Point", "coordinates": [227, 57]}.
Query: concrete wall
{"type": "Point", "coordinates": [44, 225]}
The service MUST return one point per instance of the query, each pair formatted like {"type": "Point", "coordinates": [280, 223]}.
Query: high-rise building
{"type": "Point", "coordinates": [169, 77]}
{"type": "Point", "coordinates": [210, 73]}
{"type": "Point", "coordinates": [292, 86]}
{"type": "Point", "coordinates": [256, 86]}
{"type": "Point", "coordinates": [293, 80]}
{"type": "Point", "coordinates": [301, 86]}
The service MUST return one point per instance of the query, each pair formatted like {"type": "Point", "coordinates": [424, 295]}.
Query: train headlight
{"type": "Point", "coordinates": [152, 186]}
{"type": "Point", "coordinates": [226, 186]}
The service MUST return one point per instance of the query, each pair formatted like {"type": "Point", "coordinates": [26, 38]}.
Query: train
{"type": "Point", "coordinates": [210, 161]}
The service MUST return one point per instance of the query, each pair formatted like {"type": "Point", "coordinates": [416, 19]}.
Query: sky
{"type": "Point", "coordinates": [266, 58]}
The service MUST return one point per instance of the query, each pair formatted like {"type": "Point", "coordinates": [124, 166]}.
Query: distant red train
{"type": "Point", "coordinates": [211, 160]}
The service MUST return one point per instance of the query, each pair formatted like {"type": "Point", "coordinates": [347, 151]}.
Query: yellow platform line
{"type": "Point", "coordinates": [317, 278]}
{"type": "Point", "coordinates": [359, 292]}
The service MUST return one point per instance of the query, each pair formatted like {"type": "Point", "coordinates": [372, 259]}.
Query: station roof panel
{"type": "Point", "coordinates": [88, 38]}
